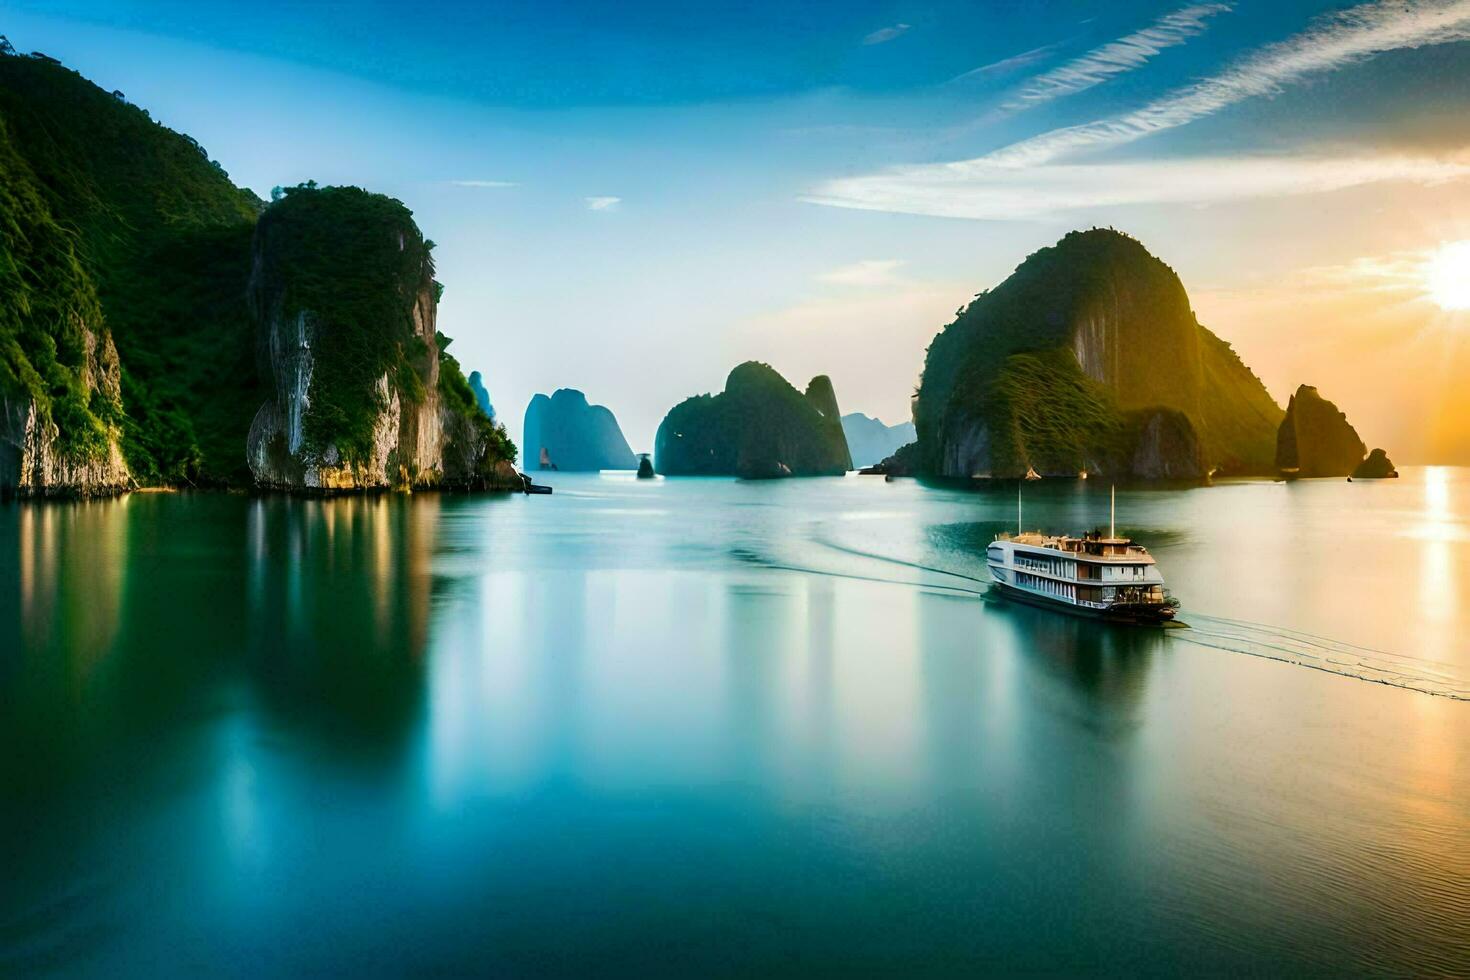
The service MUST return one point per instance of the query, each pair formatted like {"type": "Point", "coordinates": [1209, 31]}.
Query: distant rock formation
{"type": "Point", "coordinates": [903, 462]}
{"type": "Point", "coordinates": [645, 467]}
{"type": "Point", "coordinates": [568, 434]}
{"type": "Point", "coordinates": [482, 397]}
{"type": "Point", "coordinates": [870, 441]}
{"type": "Point", "coordinates": [365, 397]}
{"type": "Point", "coordinates": [1315, 438]}
{"type": "Point", "coordinates": [1089, 358]}
{"type": "Point", "coordinates": [759, 427]}
{"type": "Point", "coordinates": [1376, 467]}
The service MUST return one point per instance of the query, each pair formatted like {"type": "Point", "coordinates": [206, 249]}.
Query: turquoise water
{"type": "Point", "coordinates": [709, 727]}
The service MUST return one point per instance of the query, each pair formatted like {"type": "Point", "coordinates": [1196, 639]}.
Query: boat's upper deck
{"type": "Point", "coordinates": [1087, 548]}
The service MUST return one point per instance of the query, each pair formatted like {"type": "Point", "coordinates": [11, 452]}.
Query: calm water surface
{"type": "Point", "coordinates": [706, 727]}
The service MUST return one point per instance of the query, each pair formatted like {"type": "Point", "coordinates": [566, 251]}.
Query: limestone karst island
{"type": "Point", "coordinates": [320, 307]}
{"type": "Point", "coordinates": [568, 489]}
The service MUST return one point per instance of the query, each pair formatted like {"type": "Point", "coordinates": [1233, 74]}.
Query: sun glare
{"type": "Point", "coordinates": [1447, 276]}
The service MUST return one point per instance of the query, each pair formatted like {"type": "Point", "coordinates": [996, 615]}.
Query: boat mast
{"type": "Point", "coordinates": [1113, 513]}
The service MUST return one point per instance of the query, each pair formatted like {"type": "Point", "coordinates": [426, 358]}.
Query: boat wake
{"type": "Point", "coordinates": [1324, 653]}
{"type": "Point", "coordinates": [750, 557]}
{"type": "Point", "coordinates": [888, 559]}
{"type": "Point", "coordinates": [1215, 632]}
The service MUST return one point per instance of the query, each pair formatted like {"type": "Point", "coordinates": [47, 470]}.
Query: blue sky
{"type": "Point", "coordinates": [630, 199]}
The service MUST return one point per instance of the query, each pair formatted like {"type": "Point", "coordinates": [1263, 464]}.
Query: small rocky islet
{"type": "Point", "coordinates": [1316, 440]}
{"type": "Point", "coordinates": [1376, 467]}
{"type": "Point", "coordinates": [161, 326]}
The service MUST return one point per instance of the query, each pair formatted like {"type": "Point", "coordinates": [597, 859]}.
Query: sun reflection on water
{"type": "Point", "coordinates": [1439, 532]}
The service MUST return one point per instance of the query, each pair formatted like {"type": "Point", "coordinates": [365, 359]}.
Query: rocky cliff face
{"type": "Point", "coordinates": [35, 460]}
{"type": "Point", "coordinates": [404, 439]}
{"type": "Point", "coordinates": [821, 396]}
{"type": "Point", "coordinates": [123, 259]}
{"type": "Point", "coordinates": [1166, 447]}
{"type": "Point", "coordinates": [870, 441]}
{"type": "Point", "coordinates": [758, 427]}
{"type": "Point", "coordinates": [60, 380]}
{"type": "Point", "coordinates": [1315, 438]}
{"type": "Point", "coordinates": [574, 435]}
{"type": "Point", "coordinates": [343, 293]}
{"type": "Point", "coordinates": [140, 240]}
{"type": "Point", "coordinates": [1089, 358]}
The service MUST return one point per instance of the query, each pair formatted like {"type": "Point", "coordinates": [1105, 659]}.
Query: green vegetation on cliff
{"type": "Point", "coordinates": [356, 265]}
{"type": "Point", "coordinates": [1052, 368]}
{"type": "Point", "coordinates": [1238, 413]}
{"type": "Point", "coordinates": [116, 230]}
{"type": "Point", "coordinates": [1048, 415]}
{"type": "Point", "coordinates": [759, 426]}
{"type": "Point", "coordinates": [47, 304]}
{"type": "Point", "coordinates": [115, 223]}
{"type": "Point", "coordinates": [458, 395]}
{"type": "Point", "coordinates": [364, 392]}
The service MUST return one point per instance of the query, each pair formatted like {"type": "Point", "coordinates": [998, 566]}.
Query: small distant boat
{"type": "Point", "coordinates": [1108, 578]}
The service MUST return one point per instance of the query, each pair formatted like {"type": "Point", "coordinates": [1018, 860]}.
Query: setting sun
{"type": "Point", "coordinates": [1447, 276]}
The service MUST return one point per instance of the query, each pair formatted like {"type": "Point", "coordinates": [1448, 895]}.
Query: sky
{"type": "Point", "coordinates": [632, 198]}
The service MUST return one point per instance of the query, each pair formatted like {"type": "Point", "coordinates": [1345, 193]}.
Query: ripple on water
{"type": "Point", "coordinates": [1324, 653]}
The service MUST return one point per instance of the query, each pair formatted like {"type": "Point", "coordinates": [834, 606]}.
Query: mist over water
{"type": "Point", "coordinates": [705, 726]}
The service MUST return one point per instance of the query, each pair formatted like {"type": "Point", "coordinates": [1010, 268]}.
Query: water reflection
{"type": "Point", "coordinates": [338, 608]}
{"type": "Point", "coordinates": [1107, 666]}
{"type": "Point", "coordinates": [592, 730]}
{"type": "Point", "coordinates": [1441, 535]}
{"type": "Point", "coordinates": [61, 608]}
{"type": "Point", "coordinates": [323, 615]}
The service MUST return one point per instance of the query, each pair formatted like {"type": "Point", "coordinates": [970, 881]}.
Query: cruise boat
{"type": "Point", "coordinates": [1092, 575]}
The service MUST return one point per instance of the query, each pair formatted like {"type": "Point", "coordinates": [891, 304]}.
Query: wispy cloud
{"type": "Point", "coordinates": [1332, 42]}
{"type": "Point", "coordinates": [868, 272]}
{"type": "Point", "coordinates": [986, 190]}
{"type": "Point", "coordinates": [1026, 179]}
{"type": "Point", "coordinates": [484, 183]}
{"type": "Point", "coordinates": [602, 203]}
{"type": "Point", "coordinates": [1007, 65]}
{"type": "Point", "coordinates": [885, 34]}
{"type": "Point", "coordinates": [1404, 273]}
{"type": "Point", "coordinates": [1122, 55]}
{"type": "Point", "coordinates": [1397, 272]}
